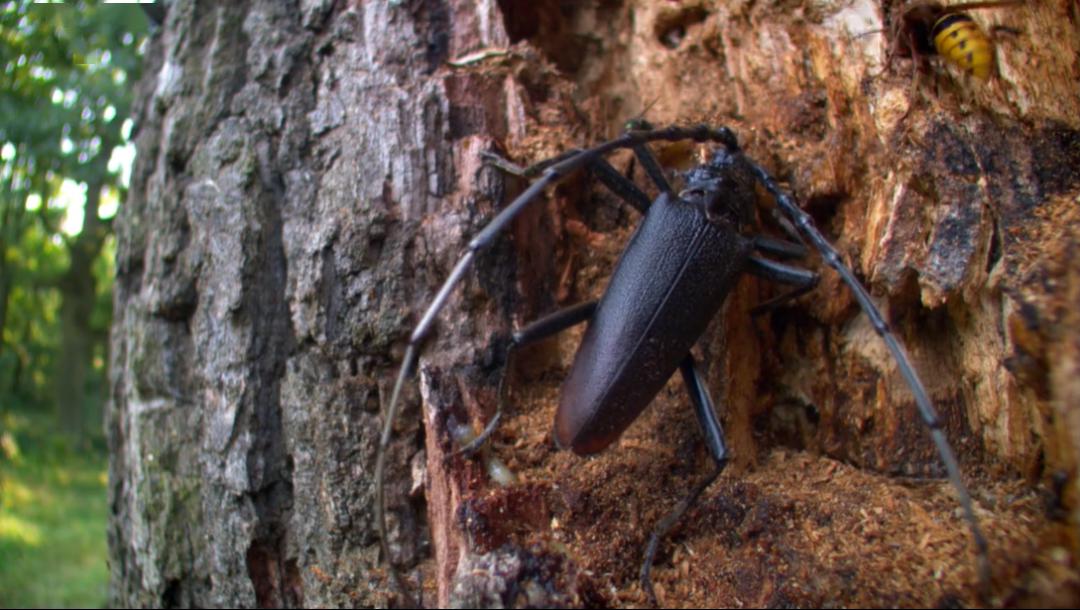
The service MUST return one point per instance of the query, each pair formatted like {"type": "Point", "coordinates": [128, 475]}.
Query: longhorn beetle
{"type": "Point", "coordinates": [671, 279]}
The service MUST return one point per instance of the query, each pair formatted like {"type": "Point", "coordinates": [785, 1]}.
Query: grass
{"type": "Point", "coordinates": [53, 513]}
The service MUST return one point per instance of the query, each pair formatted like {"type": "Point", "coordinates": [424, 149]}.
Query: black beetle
{"type": "Point", "coordinates": [671, 279]}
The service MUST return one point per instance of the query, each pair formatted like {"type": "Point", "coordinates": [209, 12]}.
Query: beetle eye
{"type": "Point", "coordinates": [638, 124]}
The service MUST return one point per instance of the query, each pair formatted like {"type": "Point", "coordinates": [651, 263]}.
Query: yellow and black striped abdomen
{"type": "Point", "coordinates": [960, 41]}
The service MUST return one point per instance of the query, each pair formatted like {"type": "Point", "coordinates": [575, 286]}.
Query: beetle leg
{"type": "Point", "coordinates": [645, 156]}
{"type": "Point", "coordinates": [624, 188]}
{"type": "Point", "coordinates": [551, 175]}
{"type": "Point", "coordinates": [507, 166]}
{"type": "Point", "coordinates": [929, 415]}
{"type": "Point", "coordinates": [803, 280]}
{"type": "Point", "coordinates": [714, 440]}
{"type": "Point", "coordinates": [543, 328]}
{"type": "Point", "coordinates": [779, 247]}
{"type": "Point", "coordinates": [652, 167]}
{"type": "Point", "coordinates": [608, 175]}
{"type": "Point", "coordinates": [553, 324]}
{"type": "Point", "coordinates": [785, 225]}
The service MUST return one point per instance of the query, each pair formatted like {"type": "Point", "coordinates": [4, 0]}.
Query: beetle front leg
{"type": "Point", "coordinates": [713, 433]}
{"type": "Point", "coordinates": [779, 247]}
{"type": "Point", "coordinates": [599, 167]}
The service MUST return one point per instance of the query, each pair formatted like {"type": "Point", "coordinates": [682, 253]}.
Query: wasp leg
{"type": "Point", "coordinates": [929, 415]}
{"type": "Point", "coordinates": [1004, 29]}
{"type": "Point", "coordinates": [713, 433]}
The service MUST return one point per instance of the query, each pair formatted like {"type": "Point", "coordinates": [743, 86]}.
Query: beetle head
{"type": "Point", "coordinates": [723, 188]}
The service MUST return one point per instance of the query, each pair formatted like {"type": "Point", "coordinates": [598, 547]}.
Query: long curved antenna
{"type": "Point", "coordinates": [929, 415]}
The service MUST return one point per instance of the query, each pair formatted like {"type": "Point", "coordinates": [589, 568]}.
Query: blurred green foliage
{"type": "Point", "coordinates": [66, 74]}
{"type": "Point", "coordinates": [66, 81]}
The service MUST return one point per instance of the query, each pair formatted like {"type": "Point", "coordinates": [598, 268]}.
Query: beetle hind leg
{"type": "Point", "coordinates": [714, 440]}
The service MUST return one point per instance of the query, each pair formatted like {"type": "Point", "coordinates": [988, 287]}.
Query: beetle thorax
{"type": "Point", "coordinates": [723, 188]}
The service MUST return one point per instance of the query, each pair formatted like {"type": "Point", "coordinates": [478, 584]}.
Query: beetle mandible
{"type": "Point", "coordinates": [671, 279]}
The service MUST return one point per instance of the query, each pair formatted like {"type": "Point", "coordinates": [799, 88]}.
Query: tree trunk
{"type": "Point", "coordinates": [268, 258]}
{"type": "Point", "coordinates": [307, 178]}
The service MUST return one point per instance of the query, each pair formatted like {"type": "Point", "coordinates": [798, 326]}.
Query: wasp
{"type": "Point", "coordinates": [924, 28]}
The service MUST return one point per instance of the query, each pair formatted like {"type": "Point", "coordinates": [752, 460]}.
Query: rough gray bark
{"type": "Point", "coordinates": [309, 174]}
{"type": "Point", "coordinates": [288, 155]}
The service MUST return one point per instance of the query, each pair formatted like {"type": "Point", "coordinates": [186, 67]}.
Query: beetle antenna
{"type": "Point", "coordinates": [926, 409]}
{"type": "Point", "coordinates": [380, 469]}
